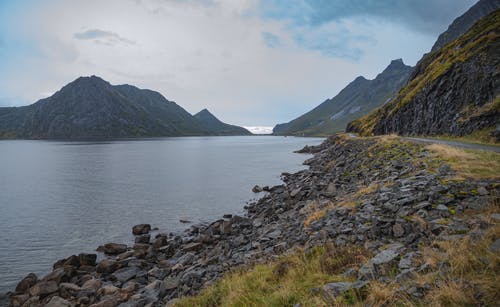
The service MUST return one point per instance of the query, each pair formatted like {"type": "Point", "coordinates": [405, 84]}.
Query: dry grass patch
{"type": "Point", "coordinates": [468, 163]}
{"type": "Point", "coordinates": [285, 282]}
{"type": "Point", "coordinates": [315, 212]}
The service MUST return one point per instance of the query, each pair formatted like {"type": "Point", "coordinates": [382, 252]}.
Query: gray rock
{"type": "Point", "coordinates": [125, 274]}
{"type": "Point", "coordinates": [57, 301]}
{"type": "Point", "coordinates": [141, 229]}
{"type": "Point", "coordinates": [44, 288]}
{"type": "Point", "coordinates": [495, 247]}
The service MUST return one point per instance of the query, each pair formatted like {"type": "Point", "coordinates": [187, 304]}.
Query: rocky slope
{"type": "Point", "coordinates": [453, 91]}
{"type": "Point", "coordinates": [463, 23]}
{"type": "Point", "coordinates": [213, 124]}
{"type": "Point", "coordinates": [388, 196]}
{"type": "Point", "coordinates": [91, 107]}
{"type": "Point", "coordinates": [358, 98]}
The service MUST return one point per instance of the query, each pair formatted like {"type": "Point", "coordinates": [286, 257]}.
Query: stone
{"type": "Point", "coordinates": [160, 242]}
{"type": "Point", "coordinates": [141, 229]}
{"type": "Point", "coordinates": [43, 288]}
{"type": "Point", "coordinates": [482, 191]}
{"type": "Point", "coordinates": [18, 300]}
{"type": "Point", "coordinates": [107, 266]}
{"type": "Point", "coordinates": [335, 289]}
{"type": "Point", "coordinates": [295, 192]}
{"type": "Point", "coordinates": [398, 230]}
{"type": "Point", "coordinates": [192, 247]}
{"type": "Point", "coordinates": [87, 259]}
{"type": "Point", "coordinates": [57, 301]}
{"type": "Point", "coordinates": [257, 189]}
{"type": "Point", "coordinates": [107, 290]}
{"type": "Point", "coordinates": [125, 274]}
{"type": "Point", "coordinates": [92, 284]}
{"type": "Point", "coordinates": [27, 282]}
{"type": "Point", "coordinates": [167, 285]}
{"type": "Point", "coordinates": [495, 246]}
{"type": "Point", "coordinates": [143, 239]}
{"type": "Point", "coordinates": [114, 248]}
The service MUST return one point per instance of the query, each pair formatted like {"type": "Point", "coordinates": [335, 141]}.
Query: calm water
{"type": "Point", "coordinates": [60, 198]}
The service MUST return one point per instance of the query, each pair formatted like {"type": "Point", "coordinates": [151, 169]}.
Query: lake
{"type": "Point", "coordinates": [59, 198]}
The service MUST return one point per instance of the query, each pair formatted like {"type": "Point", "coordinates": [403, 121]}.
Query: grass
{"type": "Point", "coordinates": [482, 136]}
{"type": "Point", "coordinates": [288, 281]}
{"type": "Point", "coordinates": [467, 163]}
{"type": "Point", "coordinates": [476, 42]}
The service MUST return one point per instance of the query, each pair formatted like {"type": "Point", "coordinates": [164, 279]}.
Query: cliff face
{"type": "Point", "coordinates": [452, 91]}
{"type": "Point", "coordinates": [463, 23]}
{"type": "Point", "coordinates": [90, 107]}
{"type": "Point", "coordinates": [357, 99]}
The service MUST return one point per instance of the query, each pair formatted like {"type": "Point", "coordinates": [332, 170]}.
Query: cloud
{"type": "Point", "coordinates": [230, 56]}
{"type": "Point", "coordinates": [430, 16]}
{"type": "Point", "coordinates": [102, 37]}
{"type": "Point", "coordinates": [271, 40]}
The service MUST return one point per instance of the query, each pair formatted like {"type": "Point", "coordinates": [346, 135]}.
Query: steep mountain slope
{"type": "Point", "coordinates": [215, 126]}
{"type": "Point", "coordinates": [357, 99]}
{"type": "Point", "coordinates": [463, 23]}
{"type": "Point", "coordinates": [453, 91]}
{"type": "Point", "coordinates": [90, 107]}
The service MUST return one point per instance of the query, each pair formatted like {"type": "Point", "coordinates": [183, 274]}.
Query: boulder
{"type": "Point", "coordinates": [107, 266]}
{"type": "Point", "coordinates": [57, 301]}
{"type": "Point", "coordinates": [114, 248]}
{"type": "Point", "coordinates": [144, 239]}
{"type": "Point", "coordinates": [87, 259]}
{"type": "Point", "coordinates": [44, 288]}
{"type": "Point", "coordinates": [125, 274]}
{"type": "Point", "coordinates": [30, 280]}
{"type": "Point", "coordinates": [92, 284]}
{"type": "Point", "coordinates": [141, 229]}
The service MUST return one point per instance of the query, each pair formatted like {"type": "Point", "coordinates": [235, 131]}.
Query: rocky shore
{"type": "Point", "coordinates": [389, 196]}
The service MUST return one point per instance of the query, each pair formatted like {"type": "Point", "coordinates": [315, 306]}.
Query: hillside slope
{"type": "Point", "coordinates": [453, 91]}
{"type": "Point", "coordinates": [215, 126]}
{"type": "Point", "coordinates": [91, 107]}
{"type": "Point", "coordinates": [357, 99]}
{"type": "Point", "coordinates": [463, 23]}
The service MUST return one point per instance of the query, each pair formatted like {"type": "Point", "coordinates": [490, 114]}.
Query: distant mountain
{"type": "Point", "coordinates": [91, 107]}
{"type": "Point", "coordinates": [358, 98]}
{"type": "Point", "coordinates": [215, 126]}
{"type": "Point", "coordinates": [463, 23]}
{"type": "Point", "coordinates": [453, 91]}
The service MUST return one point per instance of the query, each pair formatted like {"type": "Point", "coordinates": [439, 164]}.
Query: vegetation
{"type": "Point", "coordinates": [477, 40]}
{"type": "Point", "coordinates": [468, 163]}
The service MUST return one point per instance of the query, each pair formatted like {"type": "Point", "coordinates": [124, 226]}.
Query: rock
{"type": "Point", "coordinates": [32, 302]}
{"type": "Point", "coordinates": [398, 230]}
{"type": "Point", "coordinates": [257, 189]}
{"type": "Point", "coordinates": [43, 288]}
{"type": "Point", "coordinates": [30, 280]}
{"type": "Point", "coordinates": [87, 259]}
{"type": "Point", "coordinates": [141, 229]}
{"type": "Point", "coordinates": [69, 287]}
{"type": "Point", "coordinates": [168, 285]}
{"type": "Point", "coordinates": [143, 239]}
{"type": "Point", "coordinates": [337, 288]}
{"type": "Point", "coordinates": [192, 247]}
{"type": "Point", "coordinates": [495, 217]}
{"type": "Point", "coordinates": [114, 248]}
{"type": "Point", "coordinates": [107, 266]}
{"type": "Point", "coordinates": [109, 302]}
{"type": "Point", "coordinates": [160, 242]}
{"type": "Point", "coordinates": [185, 221]}
{"type": "Point", "coordinates": [482, 191]}
{"type": "Point", "coordinates": [57, 301]}
{"type": "Point", "coordinates": [18, 300]}
{"type": "Point", "coordinates": [295, 192]}
{"type": "Point", "coordinates": [92, 284]}
{"type": "Point", "coordinates": [125, 274]}
{"type": "Point", "coordinates": [495, 247]}
{"type": "Point", "coordinates": [107, 290]}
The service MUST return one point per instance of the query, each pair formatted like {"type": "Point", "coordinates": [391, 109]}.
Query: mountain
{"type": "Point", "coordinates": [213, 124]}
{"type": "Point", "coordinates": [463, 23]}
{"type": "Point", "coordinates": [91, 107]}
{"type": "Point", "coordinates": [453, 91]}
{"type": "Point", "coordinates": [357, 99]}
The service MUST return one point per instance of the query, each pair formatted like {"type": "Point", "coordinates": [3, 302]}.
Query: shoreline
{"type": "Point", "coordinates": [334, 200]}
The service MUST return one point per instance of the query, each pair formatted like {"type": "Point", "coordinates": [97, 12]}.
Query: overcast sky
{"type": "Point", "coordinates": [250, 62]}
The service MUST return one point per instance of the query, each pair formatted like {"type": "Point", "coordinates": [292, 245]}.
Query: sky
{"type": "Point", "coordinates": [250, 62]}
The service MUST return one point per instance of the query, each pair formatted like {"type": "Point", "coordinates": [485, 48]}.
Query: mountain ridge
{"type": "Point", "coordinates": [90, 107]}
{"type": "Point", "coordinates": [359, 97]}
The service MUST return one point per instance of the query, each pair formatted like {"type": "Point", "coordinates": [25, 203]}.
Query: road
{"type": "Point", "coordinates": [447, 142]}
